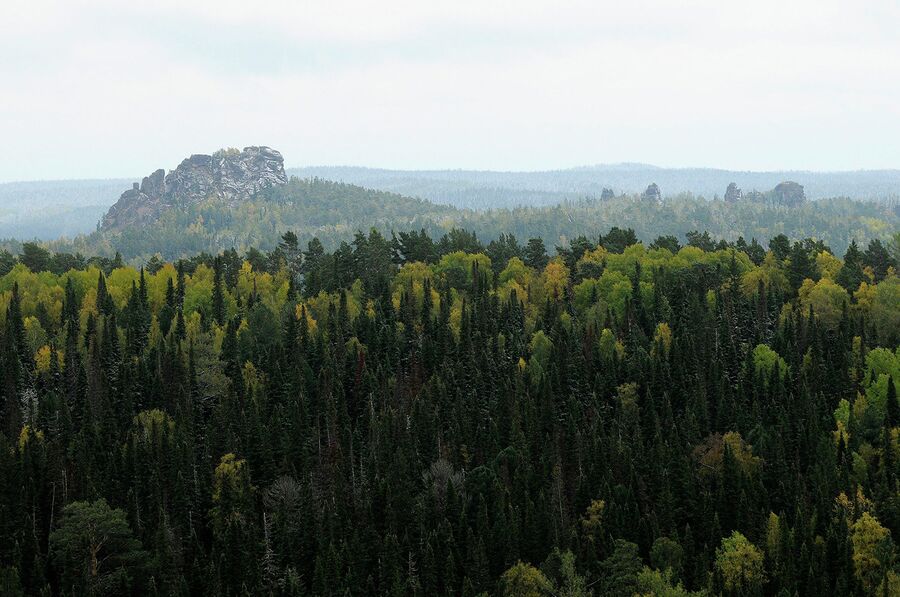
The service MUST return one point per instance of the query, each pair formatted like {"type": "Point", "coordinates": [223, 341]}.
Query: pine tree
{"type": "Point", "coordinates": [851, 273]}
{"type": "Point", "coordinates": [218, 297]}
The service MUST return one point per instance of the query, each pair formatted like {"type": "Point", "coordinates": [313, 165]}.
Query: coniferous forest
{"type": "Point", "coordinates": [331, 212]}
{"type": "Point", "coordinates": [417, 416]}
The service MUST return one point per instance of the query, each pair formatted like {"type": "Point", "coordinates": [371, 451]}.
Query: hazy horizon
{"type": "Point", "coordinates": [617, 166]}
{"type": "Point", "coordinates": [101, 90]}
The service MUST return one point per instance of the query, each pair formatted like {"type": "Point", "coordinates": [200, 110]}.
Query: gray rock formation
{"type": "Point", "coordinates": [789, 193]}
{"type": "Point", "coordinates": [652, 193]}
{"type": "Point", "coordinates": [733, 193]}
{"type": "Point", "coordinates": [229, 175]}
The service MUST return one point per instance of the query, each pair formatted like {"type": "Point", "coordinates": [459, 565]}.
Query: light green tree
{"type": "Point", "coordinates": [740, 564]}
{"type": "Point", "coordinates": [524, 580]}
{"type": "Point", "coordinates": [571, 584]}
{"type": "Point", "coordinates": [869, 540]}
{"type": "Point", "coordinates": [826, 298]}
{"type": "Point", "coordinates": [656, 583]}
{"type": "Point", "coordinates": [764, 361]}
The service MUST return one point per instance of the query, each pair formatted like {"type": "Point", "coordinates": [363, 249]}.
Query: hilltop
{"type": "Point", "coordinates": [229, 176]}
{"type": "Point", "coordinates": [184, 222]}
{"type": "Point", "coordinates": [244, 198]}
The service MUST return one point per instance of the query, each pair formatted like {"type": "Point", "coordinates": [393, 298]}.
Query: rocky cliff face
{"type": "Point", "coordinates": [230, 176]}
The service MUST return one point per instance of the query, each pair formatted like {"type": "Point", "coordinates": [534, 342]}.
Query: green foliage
{"type": "Point", "coordinates": [10, 584]}
{"type": "Point", "coordinates": [621, 569]}
{"type": "Point", "coordinates": [367, 423]}
{"type": "Point", "coordinates": [870, 541]}
{"type": "Point", "coordinates": [541, 347]}
{"type": "Point", "coordinates": [334, 212]}
{"type": "Point", "coordinates": [608, 346]}
{"type": "Point", "coordinates": [458, 268]}
{"type": "Point", "coordinates": [95, 549]}
{"type": "Point", "coordinates": [667, 555]}
{"type": "Point", "coordinates": [740, 564]}
{"type": "Point", "coordinates": [656, 583]}
{"type": "Point", "coordinates": [885, 314]}
{"type": "Point", "coordinates": [524, 580]}
{"type": "Point", "coordinates": [826, 299]}
{"type": "Point", "coordinates": [592, 521]}
{"type": "Point", "coordinates": [766, 361]}
{"type": "Point", "coordinates": [571, 583]}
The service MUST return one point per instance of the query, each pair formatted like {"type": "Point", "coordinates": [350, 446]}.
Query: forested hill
{"type": "Point", "coordinates": [329, 210]}
{"type": "Point", "coordinates": [448, 418]}
{"type": "Point", "coordinates": [242, 198]}
{"type": "Point", "coordinates": [48, 210]}
{"type": "Point", "coordinates": [334, 212]}
{"type": "Point", "coordinates": [489, 189]}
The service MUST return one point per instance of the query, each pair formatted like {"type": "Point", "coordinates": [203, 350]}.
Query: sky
{"type": "Point", "coordinates": [104, 88]}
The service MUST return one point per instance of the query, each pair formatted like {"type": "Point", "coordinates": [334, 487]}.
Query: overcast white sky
{"type": "Point", "coordinates": [112, 88]}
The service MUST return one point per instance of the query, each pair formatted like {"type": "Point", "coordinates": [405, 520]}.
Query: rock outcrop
{"type": "Point", "coordinates": [652, 193]}
{"type": "Point", "coordinates": [229, 175]}
{"type": "Point", "coordinates": [789, 193]}
{"type": "Point", "coordinates": [733, 193]}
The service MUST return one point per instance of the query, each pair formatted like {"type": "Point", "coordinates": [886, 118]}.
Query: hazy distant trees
{"type": "Point", "coordinates": [333, 213]}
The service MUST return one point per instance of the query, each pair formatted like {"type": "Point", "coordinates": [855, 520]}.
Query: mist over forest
{"type": "Point", "coordinates": [47, 210]}
{"type": "Point", "coordinates": [486, 189]}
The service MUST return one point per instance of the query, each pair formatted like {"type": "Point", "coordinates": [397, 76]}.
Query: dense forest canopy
{"type": "Point", "coordinates": [419, 415]}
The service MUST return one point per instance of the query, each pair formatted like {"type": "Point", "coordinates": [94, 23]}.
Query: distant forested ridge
{"type": "Point", "coordinates": [333, 212]}
{"type": "Point", "coordinates": [24, 206]}
{"type": "Point", "coordinates": [474, 189]}
{"type": "Point", "coordinates": [49, 209]}
{"type": "Point", "coordinates": [417, 415]}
